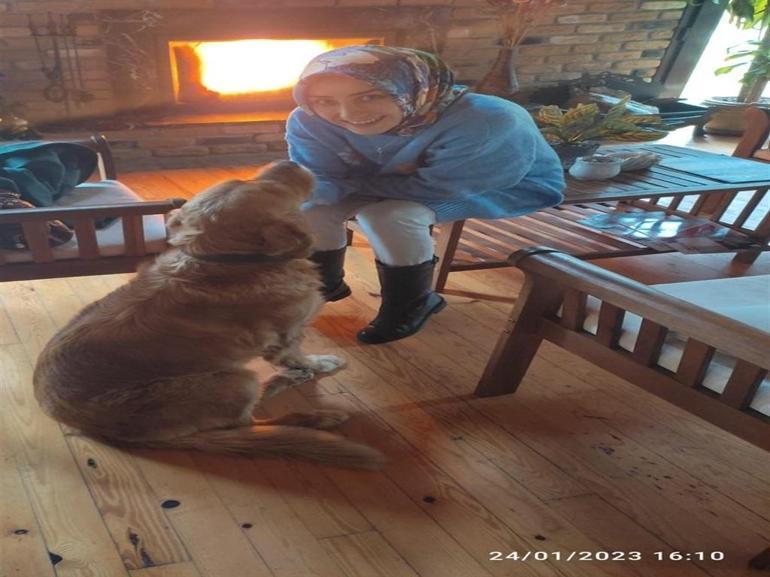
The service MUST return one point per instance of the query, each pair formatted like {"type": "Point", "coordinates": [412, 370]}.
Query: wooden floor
{"type": "Point", "coordinates": [576, 461]}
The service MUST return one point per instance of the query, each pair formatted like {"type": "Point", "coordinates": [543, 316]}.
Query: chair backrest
{"type": "Point", "coordinates": [755, 136]}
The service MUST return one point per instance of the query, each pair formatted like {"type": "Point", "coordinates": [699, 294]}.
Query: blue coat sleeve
{"type": "Point", "coordinates": [333, 179]}
{"type": "Point", "coordinates": [492, 154]}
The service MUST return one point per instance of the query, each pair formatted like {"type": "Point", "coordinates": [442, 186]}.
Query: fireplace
{"type": "Point", "coordinates": [243, 74]}
{"type": "Point", "coordinates": [183, 62]}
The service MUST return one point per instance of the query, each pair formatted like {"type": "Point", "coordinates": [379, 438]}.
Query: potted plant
{"type": "Point", "coordinates": [578, 131]}
{"type": "Point", "coordinates": [753, 56]}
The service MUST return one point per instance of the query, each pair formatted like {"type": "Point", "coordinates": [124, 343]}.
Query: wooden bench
{"type": "Point", "coordinates": [556, 303]}
{"type": "Point", "coordinates": [627, 328]}
{"type": "Point", "coordinates": [87, 253]}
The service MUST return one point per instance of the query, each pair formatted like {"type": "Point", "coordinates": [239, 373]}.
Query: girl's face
{"type": "Point", "coordinates": [353, 104]}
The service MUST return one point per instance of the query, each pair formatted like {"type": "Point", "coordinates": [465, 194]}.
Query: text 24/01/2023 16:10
{"type": "Point", "coordinates": [606, 556]}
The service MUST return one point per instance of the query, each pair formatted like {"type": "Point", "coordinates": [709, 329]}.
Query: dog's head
{"type": "Point", "coordinates": [260, 215]}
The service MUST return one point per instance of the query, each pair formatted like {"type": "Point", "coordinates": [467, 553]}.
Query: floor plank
{"type": "Point", "coordinates": [128, 506]}
{"type": "Point", "coordinates": [23, 550]}
{"type": "Point", "coordinates": [368, 555]}
{"type": "Point", "coordinates": [175, 570]}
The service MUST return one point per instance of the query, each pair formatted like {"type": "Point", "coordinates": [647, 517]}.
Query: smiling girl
{"type": "Point", "coordinates": [396, 144]}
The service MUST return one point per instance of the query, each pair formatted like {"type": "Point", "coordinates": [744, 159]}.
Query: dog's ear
{"type": "Point", "coordinates": [285, 238]}
{"type": "Point", "coordinates": [173, 218]}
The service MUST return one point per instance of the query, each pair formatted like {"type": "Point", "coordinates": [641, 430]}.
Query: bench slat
{"type": "Point", "coordinates": [133, 235]}
{"type": "Point", "coordinates": [36, 234]}
{"type": "Point", "coordinates": [649, 342]}
{"type": "Point", "coordinates": [743, 384]}
{"type": "Point", "coordinates": [85, 232]}
{"type": "Point", "coordinates": [694, 363]}
{"type": "Point", "coordinates": [610, 324]}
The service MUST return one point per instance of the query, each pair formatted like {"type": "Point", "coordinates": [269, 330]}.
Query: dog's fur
{"type": "Point", "coordinates": [159, 362]}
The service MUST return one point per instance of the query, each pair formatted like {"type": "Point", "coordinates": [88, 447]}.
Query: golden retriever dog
{"type": "Point", "coordinates": [160, 362]}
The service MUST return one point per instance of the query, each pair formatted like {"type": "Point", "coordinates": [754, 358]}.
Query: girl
{"type": "Point", "coordinates": [396, 144]}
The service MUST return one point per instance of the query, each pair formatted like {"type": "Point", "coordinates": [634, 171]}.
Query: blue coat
{"type": "Point", "coordinates": [483, 158]}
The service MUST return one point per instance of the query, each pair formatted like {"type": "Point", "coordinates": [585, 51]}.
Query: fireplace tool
{"type": "Point", "coordinates": [64, 88]}
{"type": "Point", "coordinates": [70, 38]}
{"type": "Point", "coordinates": [56, 91]}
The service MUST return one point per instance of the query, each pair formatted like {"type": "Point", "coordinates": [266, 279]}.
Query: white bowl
{"type": "Point", "coordinates": [596, 167]}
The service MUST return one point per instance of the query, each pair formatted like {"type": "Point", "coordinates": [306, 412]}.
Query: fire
{"type": "Point", "coordinates": [243, 66]}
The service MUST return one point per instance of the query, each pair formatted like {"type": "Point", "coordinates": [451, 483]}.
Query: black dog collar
{"type": "Point", "coordinates": [240, 257]}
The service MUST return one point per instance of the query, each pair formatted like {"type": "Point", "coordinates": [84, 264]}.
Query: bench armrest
{"type": "Point", "coordinates": [34, 223]}
{"type": "Point", "coordinates": [572, 274]}
{"type": "Point", "coordinates": [93, 212]}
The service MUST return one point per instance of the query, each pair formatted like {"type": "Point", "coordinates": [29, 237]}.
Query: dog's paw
{"type": "Point", "coordinates": [326, 363]}
{"type": "Point", "coordinates": [298, 376]}
{"type": "Point", "coordinates": [286, 380]}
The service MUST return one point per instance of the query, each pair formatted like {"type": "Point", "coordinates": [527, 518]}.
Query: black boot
{"type": "Point", "coordinates": [330, 264]}
{"type": "Point", "coordinates": [407, 302]}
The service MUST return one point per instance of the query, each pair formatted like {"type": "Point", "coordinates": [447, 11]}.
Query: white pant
{"type": "Point", "coordinates": [397, 230]}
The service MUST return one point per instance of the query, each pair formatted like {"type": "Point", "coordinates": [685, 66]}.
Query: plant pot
{"type": "Point", "coordinates": [727, 116]}
{"type": "Point", "coordinates": [568, 153]}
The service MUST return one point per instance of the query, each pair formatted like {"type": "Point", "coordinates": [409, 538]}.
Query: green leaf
{"type": "Point", "coordinates": [643, 119]}
{"type": "Point", "coordinates": [549, 116]}
{"type": "Point", "coordinates": [582, 114]}
{"type": "Point", "coordinates": [638, 136]}
{"type": "Point", "coordinates": [620, 126]}
{"type": "Point", "coordinates": [617, 111]}
{"type": "Point", "coordinates": [737, 55]}
{"type": "Point", "coordinates": [726, 69]}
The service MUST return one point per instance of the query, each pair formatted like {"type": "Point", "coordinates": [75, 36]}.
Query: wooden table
{"type": "Point", "coordinates": [663, 181]}
{"type": "Point", "coordinates": [698, 187]}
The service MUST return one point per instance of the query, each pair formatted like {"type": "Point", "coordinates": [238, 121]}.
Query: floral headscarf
{"type": "Point", "coordinates": [420, 82]}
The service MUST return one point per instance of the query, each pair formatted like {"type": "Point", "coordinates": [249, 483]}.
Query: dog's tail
{"type": "Point", "coordinates": [276, 441]}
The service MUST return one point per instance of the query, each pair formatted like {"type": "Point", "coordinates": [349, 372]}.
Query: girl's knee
{"type": "Point", "coordinates": [398, 213]}
{"type": "Point", "coordinates": [323, 215]}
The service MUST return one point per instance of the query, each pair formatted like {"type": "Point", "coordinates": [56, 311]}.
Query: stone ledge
{"type": "Point", "coordinates": [210, 161]}
{"type": "Point", "coordinates": [192, 142]}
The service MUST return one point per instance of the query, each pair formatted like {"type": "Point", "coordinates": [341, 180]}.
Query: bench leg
{"type": "Point", "coordinates": [746, 256]}
{"type": "Point", "coordinates": [446, 245]}
{"type": "Point", "coordinates": [520, 340]}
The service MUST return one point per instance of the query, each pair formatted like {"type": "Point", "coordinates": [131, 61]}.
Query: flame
{"type": "Point", "coordinates": [242, 66]}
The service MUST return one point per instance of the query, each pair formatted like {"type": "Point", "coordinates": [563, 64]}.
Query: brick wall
{"type": "Point", "coordinates": [575, 36]}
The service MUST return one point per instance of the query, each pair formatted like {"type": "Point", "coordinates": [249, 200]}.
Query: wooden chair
{"type": "Point", "coordinates": [561, 292]}
{"type": "Point", "coordinates": [481, 244]}
{"type": "Point", "coordinates": [554, 305]}
{"type": "Point", "coordinates": [753, 143]}
{"type": "Point", "coordinates": [46, 262]}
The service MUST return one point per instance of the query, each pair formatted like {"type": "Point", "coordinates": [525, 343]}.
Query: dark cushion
{"type": "Point", "coordinates": [42, 172]}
